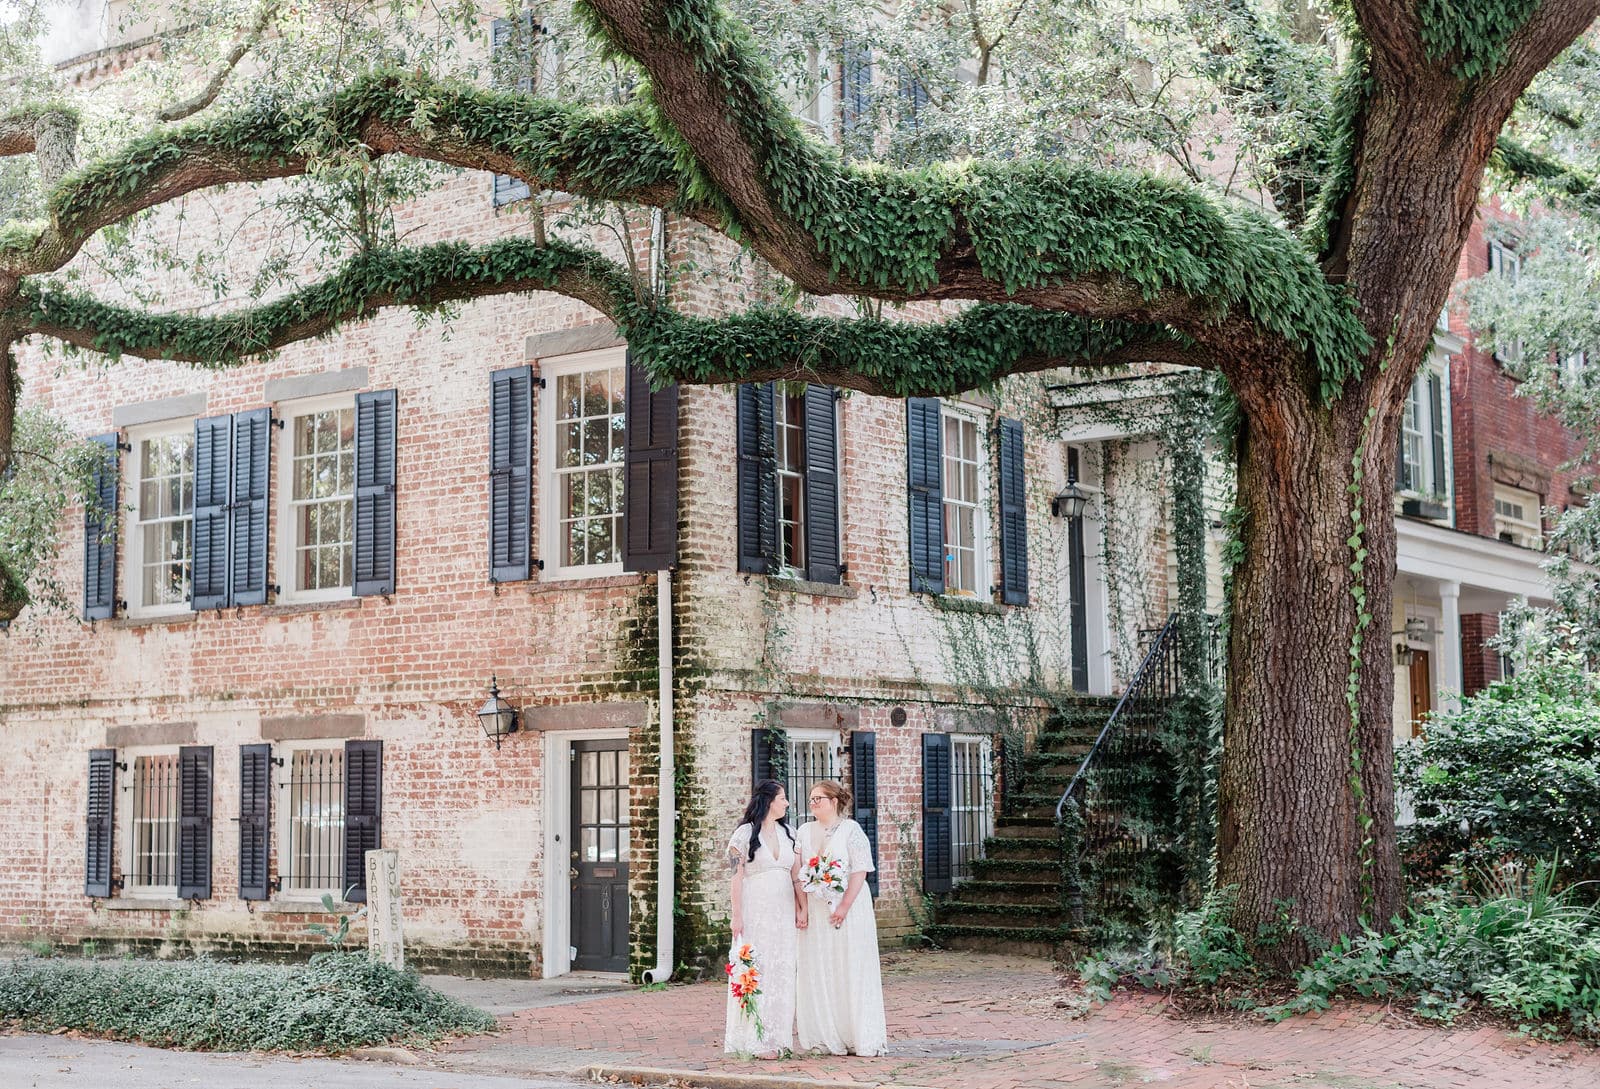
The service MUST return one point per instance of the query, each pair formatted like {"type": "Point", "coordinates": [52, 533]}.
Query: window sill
{"type": "Point", "coordinates": [967, 605]}
{"type": "Point", "coordinates": [816, 589]}
{"type": "Point", "coordinates": [157, 619]}
{"type": "Point", "coordinates": [146, 903]}
{"type": "Point", "coordinates": [593, 582]}
{"type": "Point", "coordinates": [295, 608]}
{"type": "Point", "coordinates": [302, 907]}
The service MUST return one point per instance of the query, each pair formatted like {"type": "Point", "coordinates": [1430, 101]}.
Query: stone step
{"type": "Point", "coordinates": [1010, 893]}
{"type": "Point", "coordinates": [1023, 847]}
{"type": "Point", "coordinates": [981, 913]}
{"type": "Point", "coordinates": [1017, 869]}
{"type": "Point", "coordinates": [1044, 942]}
{"type": "Point", "coordinates": [1019, 828]}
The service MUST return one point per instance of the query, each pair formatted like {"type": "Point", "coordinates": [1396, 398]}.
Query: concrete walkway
{"type": "Point", "coordinates": [987, 1022]}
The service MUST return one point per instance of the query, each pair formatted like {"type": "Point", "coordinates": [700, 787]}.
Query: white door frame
{"type": "Point", "coordinates": [557, 938]}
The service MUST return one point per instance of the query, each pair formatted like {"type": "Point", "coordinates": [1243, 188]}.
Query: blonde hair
{"type": "Point", "coordinates": [835, 790]}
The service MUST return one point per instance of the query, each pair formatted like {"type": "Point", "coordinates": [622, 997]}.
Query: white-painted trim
{"type": "Point", "coordinates": [550, 368]}
{"type": "Point", "coordinates": [800, 808]}
{"type": "Point", "coordinates": [288, 534]}
{"type": "Point", "coordinates": [122, 825]}
{"type": "Point", "coordinates": [556, 944]}
{"type": "Point", "coordinates": [133, 540]}
{"type": "Point", "coordinates": [279, 845]}
{"type": "Point", "coordinates": [1485, 563]}
{"type": "Point", "coordinates": [984, 521]}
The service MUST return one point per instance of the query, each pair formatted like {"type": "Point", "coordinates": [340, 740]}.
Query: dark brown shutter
{"type": "Point", "coordinates": [255, 820]}
{"type": "Point", "coordinates": [650, 489]}
{"type": "Point", "coordinates": [762, 740]}
{"type": "Point", "coordinates": [194, 822]}
{"type": "Point", "coordinates": [936, 846]}
{"type": "Point", "coordinates": [100, 536]}
{"type": "Point", "coordinates": [822, 484]}
{"type": "Point", "coordinates": [758, 478]}
{"type": "Point", "coordinates": [512, 60]}
{"type": "Point", "coordinates": [363, 813]}
{"type": "Point", "coordinates": [511, 474]}
{"type": "Point", "coordinates": [864, 785]}
{"type": "Point", "coordinates": [1013, 515]}
{"type": "Point", "coordinates": [925, 494]}
{"type": "Point", "coordinates": [98, 823]}
{"type": "Point", "coordinates": [208, 558]}
{"type": "Point", "coordinates": [247, 515]}
{"type": "Point", "coordinates": [375, 476]}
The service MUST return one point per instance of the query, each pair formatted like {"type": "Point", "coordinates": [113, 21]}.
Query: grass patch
{"type": "Point", "coordinates": [334, 1003]}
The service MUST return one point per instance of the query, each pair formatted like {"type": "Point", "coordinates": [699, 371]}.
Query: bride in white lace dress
{"type": "Point", "coordinates": [840, 994]}
{"type": "Point", "coordinates": [767, 908]}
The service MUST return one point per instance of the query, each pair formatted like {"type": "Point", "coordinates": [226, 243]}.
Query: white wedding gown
{"type": "Point", "coordinates": [839, 999]}
{"type": "Point", "coordinates": [767, 903]}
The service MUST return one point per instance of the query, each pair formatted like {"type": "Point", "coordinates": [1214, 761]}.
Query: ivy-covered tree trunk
{"type": "Point", "coordinates": [1305, 813]}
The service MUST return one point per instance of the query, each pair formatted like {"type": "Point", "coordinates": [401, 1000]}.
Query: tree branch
{"type": "Point", "coordinates": [219, 79]}
{"type": "Point", "coordinates": [421, 278]}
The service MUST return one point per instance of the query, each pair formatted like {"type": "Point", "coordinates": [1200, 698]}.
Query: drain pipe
{"type": "Point", "coordinates": [666, 789]}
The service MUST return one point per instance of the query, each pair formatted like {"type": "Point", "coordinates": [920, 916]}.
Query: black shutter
{"type": "Point", "coordinates": [374, 537]}
{"type": "Point", "coordinates": [363, 813]}
{"type": "Point", "coordinates": [1436, 407]}
{"type": "Point", "coordinates": [194, 822]}
{"type": "Point", "coordinates": [856, 77]}
{"type": "Point", "coordinates": [100, 537]}
{"type": "Point", "coordinates": [98, 823]}
{"type": "Point", "coordinates": [514, 71]}
{"type": "Point", "coordinates": [252, 459]}
{"type": "Point", "coordinates": [510, 474]}
{"type": "Point", "coordinates": [650, 488]}
{"type": "Point", "coordinates": [1013, 516]}
{"type": "Point", "coordinates": [761, 742]}
{"type": "Point", "coordinates": [255, 819]}
{"type": "Point", "coordinates": [822, 485]}
{"type": "Point", "coordinates": [936, 868]}
{"type": "Point", "coordinates": [925, 494]}
{"type": "Point", "coordinates": [213, 447]}
{"type": "Point", "coordinates": [758, 478]}
{"type": "Point", "coordinates": [864, 785]}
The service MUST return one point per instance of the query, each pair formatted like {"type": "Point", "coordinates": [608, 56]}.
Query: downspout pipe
{"type": "Point", "coordinates": [666, 789]}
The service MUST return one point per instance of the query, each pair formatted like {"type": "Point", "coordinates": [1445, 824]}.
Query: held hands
{"type": "Point", "coordinates": [800, 919]}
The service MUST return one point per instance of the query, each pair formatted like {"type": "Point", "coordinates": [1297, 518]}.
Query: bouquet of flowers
{"type": "Point", "coordinates": [744, 976]}
{"type": "Point", "coordinates": [824, 876]}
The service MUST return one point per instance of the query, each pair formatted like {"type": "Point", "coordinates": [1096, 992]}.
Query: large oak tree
{"type": "Point", "coordinates": [1317, 311]}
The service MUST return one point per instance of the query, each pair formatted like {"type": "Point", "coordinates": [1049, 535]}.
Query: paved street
{"type": "Point", "coordinates": [955, 1020]}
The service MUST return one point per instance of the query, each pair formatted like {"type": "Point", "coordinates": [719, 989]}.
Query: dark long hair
{"type": "Point", "coordinates": [755, 814]}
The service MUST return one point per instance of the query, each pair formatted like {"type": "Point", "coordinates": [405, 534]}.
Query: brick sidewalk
{"type": "Point", "coordinates": [986, 1022]}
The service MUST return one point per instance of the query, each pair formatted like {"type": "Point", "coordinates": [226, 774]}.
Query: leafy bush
{"type": "Point", "coordinates": [334, 1003]}
{"type": "Point", "coordinates": [1514, 772]}
{"type": "Point", "coordinates": [1204, 943]}
{"type": "Point", "coordinates": [1534, 956]}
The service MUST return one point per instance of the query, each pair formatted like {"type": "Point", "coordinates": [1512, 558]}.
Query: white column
{"type": "Point", "coordinates": [1450, 644]}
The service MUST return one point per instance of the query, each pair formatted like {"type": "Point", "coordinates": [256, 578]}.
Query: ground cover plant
{"type": "Point", "coordinates": [335, 1002]}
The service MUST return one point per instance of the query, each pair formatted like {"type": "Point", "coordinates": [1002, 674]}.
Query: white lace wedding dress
{"type": "Point", "coordinates": [767, 903]}
{"type": "Point", "coordinates": [839, 997]}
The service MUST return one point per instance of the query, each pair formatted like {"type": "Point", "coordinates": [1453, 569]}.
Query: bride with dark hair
{"type": "Point", "coordinates": [768, 906]}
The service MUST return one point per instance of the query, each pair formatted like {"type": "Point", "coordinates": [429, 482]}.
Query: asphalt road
{"type": "Point", "coordinates": [58, 1062]}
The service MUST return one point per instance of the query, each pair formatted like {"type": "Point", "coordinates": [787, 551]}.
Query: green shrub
{"type": "Point", "coordinates": [1515, 772]}
{"type": "Point", "coordinates": [334, 1003]}
{"type": "Point", "coordinates": [1533, 955]}
{"type": "Point", "coordinates": [1205, 946]}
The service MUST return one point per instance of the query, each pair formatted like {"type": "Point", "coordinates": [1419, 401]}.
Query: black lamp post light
{"type": "Point", "coordinates": [497, 717]}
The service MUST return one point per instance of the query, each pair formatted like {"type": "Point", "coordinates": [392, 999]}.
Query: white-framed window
{"type": "Point", "coordinates": [316, 500]}
{"type": "Point", "coordinates": [810, 92]}
{"type": "Point", "coordinates": [789, 425]}
{"type": "Point", "coordinates": [971, 802]}
{"type": "Point", "coordinates": [1414, 440]}
{"type": "Point", "coordinates": [310, 818]}
{"type": "Point", "coordinates": [812, 755]}
{"type": "Point", "coordinates": [966, 503]}
{"type": "Point", "coordinates": [1517, 517]}
{"type": "Point", "coordinates": [1575, 369]}
{"type": "Point", "coordinates": [582, 429]}
{"type": "Point", "coordinates": [148, 809]}
{"type": "Point", "coordinates": [161, 522]}
{"type": "Point", "coordinates": [1503, 261]}
{"type": "Point", "coordinates": [1421, 474]}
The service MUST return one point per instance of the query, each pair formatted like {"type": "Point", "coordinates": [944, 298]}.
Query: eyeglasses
{"type": "Point", "coordinates": [818, 799]}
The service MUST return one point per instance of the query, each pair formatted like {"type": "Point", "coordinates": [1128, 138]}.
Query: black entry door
{"type": "Point", "coordinates": [600, 855]}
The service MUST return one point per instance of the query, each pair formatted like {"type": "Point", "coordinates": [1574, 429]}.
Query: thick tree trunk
{"type": "Point", "coordinates": [1305, 810]}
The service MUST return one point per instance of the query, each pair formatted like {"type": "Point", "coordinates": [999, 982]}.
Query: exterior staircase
{"type": "Point", "coordinates": [1016, 900]}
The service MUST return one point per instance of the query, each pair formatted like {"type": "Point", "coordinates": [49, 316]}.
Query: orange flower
{"type": "Point", "coordinates": [744, 951]}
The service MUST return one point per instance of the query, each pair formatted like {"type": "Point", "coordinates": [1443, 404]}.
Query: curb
{"type": "Point", "coordinates": [709, 1079]}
